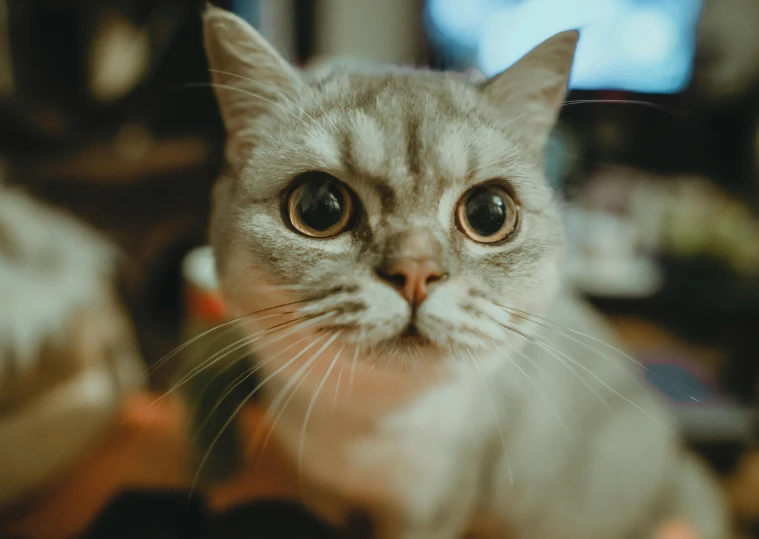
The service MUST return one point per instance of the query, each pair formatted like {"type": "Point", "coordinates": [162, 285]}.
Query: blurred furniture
{"type": "Point", "coordinates": [109, 114]}
{"type": "Point", "coordinates": [147, 451]}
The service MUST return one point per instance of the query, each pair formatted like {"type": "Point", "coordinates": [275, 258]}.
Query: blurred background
{"type": "Point", "coordinates": [105, 111]}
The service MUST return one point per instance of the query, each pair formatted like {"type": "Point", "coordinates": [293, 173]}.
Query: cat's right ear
{"type": "Point", "coordinates": [250, 78]}
{"type": "Point", "coordinates": [533, 90]}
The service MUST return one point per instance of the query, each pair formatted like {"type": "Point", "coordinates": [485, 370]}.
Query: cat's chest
{"type": "Point", "coordinates": [416, 466]}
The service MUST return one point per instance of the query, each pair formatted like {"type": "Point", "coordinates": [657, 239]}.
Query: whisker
{"type": "Point", "coordinates": [352, 379]}
{"type": "Point", "coordinates": [194, 372]}
{"type": "Point", "coordinates": [496, 417]}
{"type": "Point", "coordinates": [246, 92]}
{"type": "Point", "coordinates": [252, 372]}
{"type": "Point", "coordinates": [597, 378]}
{"type": "Point", "coordinates": [232, 347]}
{"type": "Point", "coordinates": [337, 389]}
{"type": "Point", "coordinates": [199, 395]}
{"type": "Point", "coordinates": [562, 331]}
{"type": "Point", "coordinates": [267, 86]}
{"type": "Point", "coordinates": [184, 345]}
{"type": "Point", "coordinates": [289, 287]}
{"type": "Point", "coordinates": [281, 409]}
{"type": "Point", "coordinates": [181, 347]}
{"type": "Point", "coordinates": [275, 403]}
{"type": "Point", "coordinates": [242, 404]}
{"type": "Point", "coordinates": [302, 440]}
{"type": "Point", "coordinates": [270, 88]}
{"type": "Point", "coordinates": [542, 395]}
{"type": "Point", "coordinates": [299, 377]}
{"type": "Point", "coordinates": [577, 375]}
{"type": "Point", "coordinates": [241, 379]}
{"type": "Point", "coordinates": [240, 343]}
{"type": "Point", "coordinates": [647, 104]}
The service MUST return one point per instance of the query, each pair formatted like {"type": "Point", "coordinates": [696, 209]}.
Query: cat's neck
{"type": "Point", "coordinates": [361, 390]}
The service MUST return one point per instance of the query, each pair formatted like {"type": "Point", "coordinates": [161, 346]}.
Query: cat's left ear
{"type": "Point", "coordinates": [250, 78]}
{"type": "Point", "coordinates": [531, 92]}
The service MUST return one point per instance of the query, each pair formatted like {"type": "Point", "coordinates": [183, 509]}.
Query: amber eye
{"type": "Point", "coordinates": [319, 206]}
{"type": "Point", "coordinates": [487, 213]}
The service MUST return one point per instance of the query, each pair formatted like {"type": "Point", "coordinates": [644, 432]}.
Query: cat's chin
{"type": "Point", "coordinates": [411, 344]}
{"type": "Point", "coordinates": [414, 341]}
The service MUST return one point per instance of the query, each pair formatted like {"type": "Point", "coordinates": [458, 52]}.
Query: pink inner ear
{"type": "Point", "coordinates": [676, 529]}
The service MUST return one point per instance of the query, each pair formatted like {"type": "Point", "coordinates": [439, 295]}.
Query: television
{"type": "Point", "coordinates": [642, 46]}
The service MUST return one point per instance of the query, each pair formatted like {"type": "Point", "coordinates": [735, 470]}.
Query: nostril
{"type": "Point", "coordinates": [396, 278]}
{"type": "Point", "coordinates": [435, 277]}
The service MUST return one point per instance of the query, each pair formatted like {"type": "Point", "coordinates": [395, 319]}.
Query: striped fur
{"type": "Point", "coordinates": [481, 423]}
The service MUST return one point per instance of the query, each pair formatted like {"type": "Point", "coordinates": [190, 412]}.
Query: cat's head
{"type": "Point", "coordinates": [412, 204]}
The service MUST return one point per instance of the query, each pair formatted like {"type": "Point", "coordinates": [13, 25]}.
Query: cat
{"type": "Point", "coordinates": [68, 355]}
{"type": "Point", "coordinates": [388, 242]}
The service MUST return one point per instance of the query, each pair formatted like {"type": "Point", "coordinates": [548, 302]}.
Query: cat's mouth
{"type": "Point", "coordinates": [411, 330]}
{"type": "Point", "coordinates": [411, 336]}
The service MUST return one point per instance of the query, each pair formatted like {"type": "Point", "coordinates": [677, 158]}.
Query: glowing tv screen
{"type": "Point", "coordinates": [645, 46]}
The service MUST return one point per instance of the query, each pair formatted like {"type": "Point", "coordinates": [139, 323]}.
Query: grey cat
{"type": "Point", "coordinates": [393, 233]}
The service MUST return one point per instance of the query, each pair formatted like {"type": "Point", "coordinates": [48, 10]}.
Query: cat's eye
{"type": "Point", "coordinates": [319, 206]}
{"type": "Point", "coordinates": [487, 213]}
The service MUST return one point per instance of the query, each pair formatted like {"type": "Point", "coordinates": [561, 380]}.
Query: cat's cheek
{"type": "Point", "coordinates": [249, 292]}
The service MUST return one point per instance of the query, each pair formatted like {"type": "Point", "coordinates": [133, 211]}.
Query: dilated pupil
{"type": "Point", "coordinates": [486, 212]}
{"type": "Point", "coordinates": [320, 205]}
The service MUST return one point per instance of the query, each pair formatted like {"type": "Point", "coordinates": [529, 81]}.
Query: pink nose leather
{"type": "Point", "coordinates": [412, 277]}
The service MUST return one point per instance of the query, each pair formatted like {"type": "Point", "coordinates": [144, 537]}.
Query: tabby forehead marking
{"type": "Point", "coordinates": [451, 154]}
{"type": "Point", "coordinates": [321, 143]}
{"type": "Point", "coordinates": [367, 143]}
{"type": "Point", "coordinates": [414, 146]}
{"type": "Point", "coordinates": [358, 177]}
{"type": "Point", "coordinates": [410, 168]}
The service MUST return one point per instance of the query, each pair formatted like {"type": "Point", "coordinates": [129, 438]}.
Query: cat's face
{"type": "Point", "coordinates": [411, 204]}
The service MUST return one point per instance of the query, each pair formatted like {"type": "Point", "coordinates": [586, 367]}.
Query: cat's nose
{"type": "Point", "coordinates": [412, 277]}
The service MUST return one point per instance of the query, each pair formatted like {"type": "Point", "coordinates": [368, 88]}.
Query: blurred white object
{"type": "Point", "coordinates": [68, 356]}
{"type": "Point", "coordinates": [199, 269]}
{"type": "Point", "coordinates": [624, 218]}
{"type": "Point", "coordinates": [603, 258]}
{"type": "Point", "coordinates": [637, 46]}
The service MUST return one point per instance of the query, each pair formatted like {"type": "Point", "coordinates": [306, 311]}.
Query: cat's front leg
{"type": "Point", "coordinates": [381, 514]}
{"type": "Point", "coordinates": [452, 525]}
{"type": "Point", "coordinates": [448, 511]}
{"type": "Point", "coordinates": [418, 509]}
